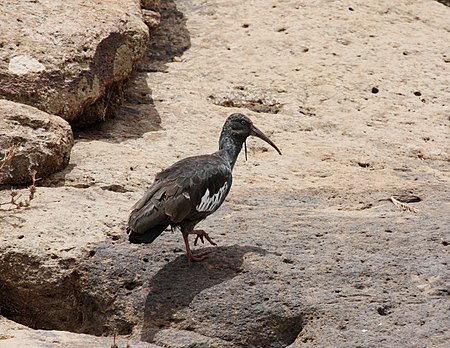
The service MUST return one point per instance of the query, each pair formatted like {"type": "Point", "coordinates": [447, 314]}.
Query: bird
{"type": "Point", "coordinates": [191, 189]}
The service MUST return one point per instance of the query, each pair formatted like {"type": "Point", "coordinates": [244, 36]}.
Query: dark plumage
{"type": "Point", "coordinates": [191, 189]}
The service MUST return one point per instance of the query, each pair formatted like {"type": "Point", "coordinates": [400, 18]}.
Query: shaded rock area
{"type": "Point", "coordinates": [34, 140]}
{"type": "Point", "coordinates": [445, 2]}
{"type": "Point", "coordinates": [312, 249]}
{"type": "Point", "coordinates": [71, 58]}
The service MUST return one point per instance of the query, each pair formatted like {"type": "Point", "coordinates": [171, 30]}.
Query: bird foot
{"type": "Point", "coordinates": [202, 234]}
{"type": "Point", "coordinates": [197, 257]}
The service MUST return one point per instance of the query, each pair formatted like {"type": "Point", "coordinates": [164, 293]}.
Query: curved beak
{"type": "Point", "coordinates": [257, 133]}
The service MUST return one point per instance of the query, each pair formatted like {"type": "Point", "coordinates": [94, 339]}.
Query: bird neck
{"type": "Point", "coordinates": [231, 146]}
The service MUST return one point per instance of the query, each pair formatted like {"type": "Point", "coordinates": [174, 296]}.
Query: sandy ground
{"type": "Point", "coordinates": [356, 96]}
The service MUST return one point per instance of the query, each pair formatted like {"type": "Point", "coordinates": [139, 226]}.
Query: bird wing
{"type": "Point", "coordinates": [190, 189]}
{"type": "Point", "coordinates": [146, 214]}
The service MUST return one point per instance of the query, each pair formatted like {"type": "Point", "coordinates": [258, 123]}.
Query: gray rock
{"type": "Point", "coordinates": [71, 59]}
{"type": "Point", "coordinates": [41, 142]}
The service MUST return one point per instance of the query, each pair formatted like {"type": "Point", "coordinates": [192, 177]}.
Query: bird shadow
{"type": "Point", "coordinates": [177, 283]}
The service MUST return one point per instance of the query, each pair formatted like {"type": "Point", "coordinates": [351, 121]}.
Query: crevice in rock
{"type": "Point", "coordinates": [54, 297]}
{"type": "Point", "coordinates": [107, 106]}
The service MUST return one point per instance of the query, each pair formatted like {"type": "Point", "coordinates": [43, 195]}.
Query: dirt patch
{"type": "Point", "coordinates": [251, 101]}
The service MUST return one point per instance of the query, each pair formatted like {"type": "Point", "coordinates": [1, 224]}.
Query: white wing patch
{"type": "Point", "coordinates": [209, 204]}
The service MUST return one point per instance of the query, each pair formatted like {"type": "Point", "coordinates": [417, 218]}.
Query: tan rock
{"type": "Point", "coordinates": [150, 13]}
{"type": "Point", "coordinates": [311, 253]}
{"type": "Point", "coordinates": [69, 58]}
{"type": "Point", "coordinates": [39, 141]}
{"type": "Point", "coordinates": [14, 335]}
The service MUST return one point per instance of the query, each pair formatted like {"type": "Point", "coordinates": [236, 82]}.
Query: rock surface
{"type": "Point", "coordinates": [70, 58]}
{"type": "Point", "coordinates": [14, 335]}
{"type": "Point", "coordinates": [40, 142]}
{"type": "Point", "coordinates": [312, 253]}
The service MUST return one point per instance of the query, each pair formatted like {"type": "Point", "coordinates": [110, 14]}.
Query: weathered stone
{"type": "Point", "coordinates": [70, 58]}
{"type": "Point", "coordinates": [150, 13]}
{"type": "Point", "coordinates": [40, 142]}
{"type": "Point", "coordinates": [14, 335]}
{"type": "Point", "coordinates": [308, 242]}
{"type": "Point", "coordinates": [51, 246]}
{"type": "Point", "coordinates": [20, 65]}
{"type": "Point", "coordinates": [152, 5]}
{"type": "Point", "coordinates": [151, 18]}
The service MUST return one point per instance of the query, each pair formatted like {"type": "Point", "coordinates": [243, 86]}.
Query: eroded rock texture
{"type": "Point", "coordinates": [38, 141]}
{"type": "Point", "coordinates": [70, 58]}
{"type": "Point", "coordinates": [311, 250]}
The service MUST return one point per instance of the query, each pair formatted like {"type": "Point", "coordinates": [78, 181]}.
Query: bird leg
{"type": "Point", "coordinates": [190, 255]}
{"type": "Point", "coordinates": [202, 234]}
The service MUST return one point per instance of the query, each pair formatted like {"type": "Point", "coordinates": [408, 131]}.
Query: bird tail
{"type": "Point", "coordinates": [147, 237]}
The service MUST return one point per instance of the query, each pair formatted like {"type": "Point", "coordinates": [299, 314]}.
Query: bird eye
{"type": "Point", "coordinates": [244, 122]}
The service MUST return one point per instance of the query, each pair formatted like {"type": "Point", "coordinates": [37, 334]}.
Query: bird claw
{"type": "Point", "coordinates": [197, 238]}
{"type": "Point", "coordinates": [202, 234]}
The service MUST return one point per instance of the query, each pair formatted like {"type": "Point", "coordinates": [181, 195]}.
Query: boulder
{"type": "Point", "coordinates": [31, 140]}
{"type": "Point", "coordinates": [70, 58]}
{"type": "Point", "coordinates": [60, 299]}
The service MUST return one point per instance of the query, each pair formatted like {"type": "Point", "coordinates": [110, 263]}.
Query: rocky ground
{"type": "Point", "coordinates": [312, 251]}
